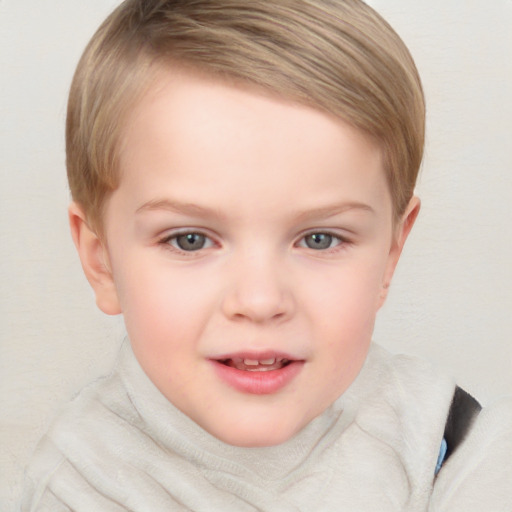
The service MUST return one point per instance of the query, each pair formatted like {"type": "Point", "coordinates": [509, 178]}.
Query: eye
{"type": "Point", "coordinates": [189, 242]}
{"type": "Point", "coordinates": [320, 241]}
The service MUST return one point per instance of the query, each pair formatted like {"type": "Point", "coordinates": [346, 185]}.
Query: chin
{"type": "Point", "coordinates": [255, 435]}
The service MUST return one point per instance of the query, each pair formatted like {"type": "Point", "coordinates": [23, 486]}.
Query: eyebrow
{"type": "Point", "coordinates": [190, 209]}
{"type": "Point", "coordinates": [195, 210]}
{"type": "Point", "coordinates": [336, 209]}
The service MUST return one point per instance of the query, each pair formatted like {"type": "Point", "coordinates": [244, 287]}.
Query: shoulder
{"type": "Point", "coordinates": [101, 410]}
{"type": "Point", "coordinates": [414, 389]}
{"type": "Point", "coordinates": [400, 406]}
{"type": "Point", "coordinates": [81, 437]}
{"type": "Point", "coordinates": [406, 403]}
{"type": "Point", "coordinates": [478, 476]}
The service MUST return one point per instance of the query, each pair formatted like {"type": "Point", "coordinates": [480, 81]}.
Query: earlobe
{"type": "Point", "coordinates": [95, 262]}
{"type": "Point", "coordinates": [402, 231]}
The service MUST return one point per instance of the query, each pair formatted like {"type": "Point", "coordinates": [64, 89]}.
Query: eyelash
{"type": "Point", "coordinates": [341, 241]}
{"type": "Point", "coordinates": [168, 239]}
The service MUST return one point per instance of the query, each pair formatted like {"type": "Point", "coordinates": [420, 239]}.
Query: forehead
{"type": "Point", "coordinates": [192, 131]}
{"type": "Point", "coordinates": [186, 90]}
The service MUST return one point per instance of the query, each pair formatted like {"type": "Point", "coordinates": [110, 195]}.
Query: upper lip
{"type": "Point", "coordinates": [256, 356]}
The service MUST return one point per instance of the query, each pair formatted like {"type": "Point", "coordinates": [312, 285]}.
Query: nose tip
{"type": "Point", "coordinates": [259, 297]}
{"type": "Point", "coordinates": [258, 309]}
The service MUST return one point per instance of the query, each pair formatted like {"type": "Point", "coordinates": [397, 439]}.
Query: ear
{"type": "Point", "coordinates": [400, 234]}
{"type": "Point", "coordinates": [95, 261]}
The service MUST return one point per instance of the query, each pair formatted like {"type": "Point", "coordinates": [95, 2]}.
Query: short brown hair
{"type": "Point", "coordinates": [338, 56]}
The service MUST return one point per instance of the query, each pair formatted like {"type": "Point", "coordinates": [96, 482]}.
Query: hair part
{"type": "Point", "coordinates": [338, 56]}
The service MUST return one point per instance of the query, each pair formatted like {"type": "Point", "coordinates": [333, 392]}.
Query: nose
{"type": "Point", "coordinates": [258, 291]}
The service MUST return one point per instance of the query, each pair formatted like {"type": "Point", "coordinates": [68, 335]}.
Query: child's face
{"type": "Point", "coordinates": [247, 228]}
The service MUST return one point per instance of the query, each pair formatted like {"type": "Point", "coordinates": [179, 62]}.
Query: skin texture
{"type": "Point", "coordinates": [256, 176]}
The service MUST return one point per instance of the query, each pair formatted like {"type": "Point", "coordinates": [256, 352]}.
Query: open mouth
{"type": "Point", "coordinates": [261, 374]}
{"type": "Point", "coordinates": [256, 365]}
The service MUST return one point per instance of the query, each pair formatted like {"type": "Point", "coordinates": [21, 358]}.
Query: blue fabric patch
{"type": "Point", "coordinates": [442, 455]}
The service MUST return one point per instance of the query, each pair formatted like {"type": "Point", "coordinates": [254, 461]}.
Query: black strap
{"type": "Point", "coordinates": [463, 411]}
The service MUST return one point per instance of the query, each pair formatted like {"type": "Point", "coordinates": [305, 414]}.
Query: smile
{"type": "Point", "coordinates": [257, 375]}
{"type": "Point", "coordinates": [256, 365]}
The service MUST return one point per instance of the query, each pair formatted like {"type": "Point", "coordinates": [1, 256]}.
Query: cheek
{"type": "Point", "coordinates": [164, 316]}
{"type": "Point", "coordinates": [163, 307]}
{"type": "Point", "coordinates": [344, 317]}
{"type": "Point", "coordinates": [350, 294]}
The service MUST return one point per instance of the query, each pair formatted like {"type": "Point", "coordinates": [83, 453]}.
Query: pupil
{"type": "Point", "coordinates": [191, 241]}
{"type": "Point", "coordinates": [319, 241]}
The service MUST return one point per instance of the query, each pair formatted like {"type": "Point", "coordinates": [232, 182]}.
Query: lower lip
{"type": "Point", "coordinates": [258, 383]}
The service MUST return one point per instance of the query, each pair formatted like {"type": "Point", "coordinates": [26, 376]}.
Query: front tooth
{"type": "Point", "coordinates": [251, 362]}
{"type": "Point", "coordinates": [268, 361]}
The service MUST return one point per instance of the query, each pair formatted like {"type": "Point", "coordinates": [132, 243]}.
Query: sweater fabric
{"type": "Point", "coordinates": [120, 445]}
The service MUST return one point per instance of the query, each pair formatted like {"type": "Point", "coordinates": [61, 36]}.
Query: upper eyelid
{"type": "Point", "coordinates": [324, 231]}
{"type": "Point", "coordinates": [165, 239]}
{"type": "Point", "coordinates": [164, 242]}
{"type": "Point", "coordinates": [175, 232]}
{"type": "Point", "coordinates": [343, 242]}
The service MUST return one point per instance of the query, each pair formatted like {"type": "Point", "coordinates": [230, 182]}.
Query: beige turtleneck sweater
{"type": "Point", "coordinates": [120, 445]}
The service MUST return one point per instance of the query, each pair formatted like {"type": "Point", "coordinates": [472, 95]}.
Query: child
{"type": "Point", "coordinates": [242, 177]}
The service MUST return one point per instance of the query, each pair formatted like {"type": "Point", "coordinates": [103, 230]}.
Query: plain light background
{"type": "Point", "coordinates": [450, 302]}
